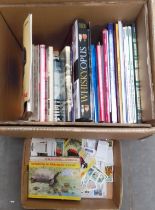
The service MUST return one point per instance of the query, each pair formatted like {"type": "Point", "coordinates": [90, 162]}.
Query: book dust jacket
{"type": "Point", "coordinates": [81, 89]}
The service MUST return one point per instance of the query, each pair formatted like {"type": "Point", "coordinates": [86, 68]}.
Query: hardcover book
{"type": "Point", "coordinates": [118, 73]}
{"type": "Point", "coordinates": [27, 80]}
{"type": "Point", "coordinates": [59, 89]}
{"type": "Point", "coordinates": [65, 59]}
{"type": "Point", "coordinates": [94, 85]}
{"type": "Point", "coordinates": [128, 74]}
{"type": "Point", "coordinates": [42, 83]}
{"type": "Point", "coordinates": [100, 69]}
{"type": "Point", "coordinates": [58, 178]}
{"type": "Point", "coordinates": [81, 87]}
{"type": "Point", "coordinates": [106, 83]}
{"type": "Point", "coordinates": [122, 70]}
{"type": "Point", "coordinates": [136, 71]}
{"type": "Point", "coordinates": [132, 78]}
{"type": "Point", "coordinates": [112, 73]}
{"type": "Point", "coordinates": [36, 82]}
{"type": "Point", "coordinates": [50, 97]}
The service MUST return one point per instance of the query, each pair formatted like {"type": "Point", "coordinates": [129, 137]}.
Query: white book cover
{"type": "Point", "coordinates": [50, 84]}
{"type": "Point", "coordinates": [127, 70]}
{"type": "Point", "coordinates": [42, 82]}
{"type": "Point", "coordinates": [43, 146]}
{"type": "Point", "coordinates": [123, 76]}
{"type": "Point", "coordinates": [132, 80]}
{"type": "Point", "coordinates": [59, 89]}
{"type": "Point", "coordinates": [65, 56]}
{"type": "Point", "coordinates": [112, 72]}
{"type": "Point", "coordinates": [35, 82]}
{"type": "Point", "coordinates": [27, 81]}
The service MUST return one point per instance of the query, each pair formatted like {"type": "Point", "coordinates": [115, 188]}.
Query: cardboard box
{"type": "Point", "coordinates": [52, 21]}
{"type": "Point", "coordinates": [114, 190]}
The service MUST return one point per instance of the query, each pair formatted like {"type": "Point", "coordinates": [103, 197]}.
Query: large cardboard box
{"type": "Point", "coordinates": [51, 24]}
{"type": "Point", "coordinates": [114, 190]}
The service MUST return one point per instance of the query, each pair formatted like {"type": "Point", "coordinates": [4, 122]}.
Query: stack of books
{"type": "Point", "coordinates": [69, 168]}
{"type": "Point", "coordinates": [89, 80]}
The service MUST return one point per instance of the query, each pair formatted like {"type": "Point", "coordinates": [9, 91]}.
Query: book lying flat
{"type": "Point", "coordinates": [57, 178]}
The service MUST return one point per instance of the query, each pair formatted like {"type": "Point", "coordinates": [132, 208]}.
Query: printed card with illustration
{"type": "Point", "coordinates": [72, 147]}
{"type": "Point", "coordinates": [59, 151]}
{"type": "Point", "coordinates": [58, 178]}
{"type": "Point", "coordinates": [93, 184]}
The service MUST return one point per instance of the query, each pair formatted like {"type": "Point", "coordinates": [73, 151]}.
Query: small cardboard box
{"type": "Point", "coordinates": [114, 190]}
{"type": "Point", "coordinates": [52, 21]}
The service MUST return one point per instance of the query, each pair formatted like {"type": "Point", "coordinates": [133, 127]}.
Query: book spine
{"type": "Point", "coordinates": [42, 82]}
{"type": "Point", "coordinates": [35, 81]}
{"type": "Point", "coordinates": [118, 75]}
{"type": "Point", "coordinates": [92, 111]}
{"type": "Point", "coordinates": [136, 71]}
{"type": "Point", "coordinates": [112, 72]}
{"type": "Point", "coordinates": [94, 80]}
{"type": "Point", "coordinates": [81, 72]}
{"type": "Point", "coordinates": [99, 50]}
{"type": "Point", "coordinates": [58, 115]}
{"type": "Point", "coordinates": [121, 46]}
{"type": "Point", "coordinates": [106, 75]}
{"type": "Point", "coordinates": [128, 74]}
{"type": "Point", "coordinates": [68, 84]}
{"type": "Point", "coordinates": [38, 76]}
{"type": "Point", "coordinates": [50, 97]}
{"type": "Point", "coordinates": [132, 81]}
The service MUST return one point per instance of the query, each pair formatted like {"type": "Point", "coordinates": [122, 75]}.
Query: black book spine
{"type": "Point", "coordinates": [83, 70]}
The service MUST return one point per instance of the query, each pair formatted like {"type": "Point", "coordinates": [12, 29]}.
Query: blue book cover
{"type": "Point", "coordinates": [94, 90]}
{"type": "Point", "coordinates": [112, 72]}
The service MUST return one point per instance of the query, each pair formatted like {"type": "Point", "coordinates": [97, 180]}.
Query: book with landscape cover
{"type": "Point", "coordinates": [81, 87]}
{"type": "Point", "coordinates": [57, 178]}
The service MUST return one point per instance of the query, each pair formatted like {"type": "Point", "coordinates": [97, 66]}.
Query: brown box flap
{"type": "Point", "coordinates": [151, 6]}
{"type": "Point", "coordinates": [79, 130]}
{"type": "Point", "coordinates": [58, 1]}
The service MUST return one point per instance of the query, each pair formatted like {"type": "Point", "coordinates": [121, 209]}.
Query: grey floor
{"type": "Point", "coordinates": [138, 174]}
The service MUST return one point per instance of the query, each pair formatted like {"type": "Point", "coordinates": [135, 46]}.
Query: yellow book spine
{"type": "Point", "coordinates": [119, 74]}
{"type": "Point", "coordinates": [55, 197]}
{"type": "Point", "coordinates": [71, 165]}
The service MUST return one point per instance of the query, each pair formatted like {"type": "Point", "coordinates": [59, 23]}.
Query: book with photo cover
{"type": "Point", "coordinates": [57, 178]}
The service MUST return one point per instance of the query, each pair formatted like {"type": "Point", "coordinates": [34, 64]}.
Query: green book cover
{"type": "Point", "coordinates": [136, 70]}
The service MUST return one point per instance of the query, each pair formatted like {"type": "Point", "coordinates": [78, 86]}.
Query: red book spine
{"type": "Point", "coordinates": [106, 88]}
{"type": "Point", "coordinates": [99, 50]}
{"type": "Point", "coordinates": [42, 82]}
